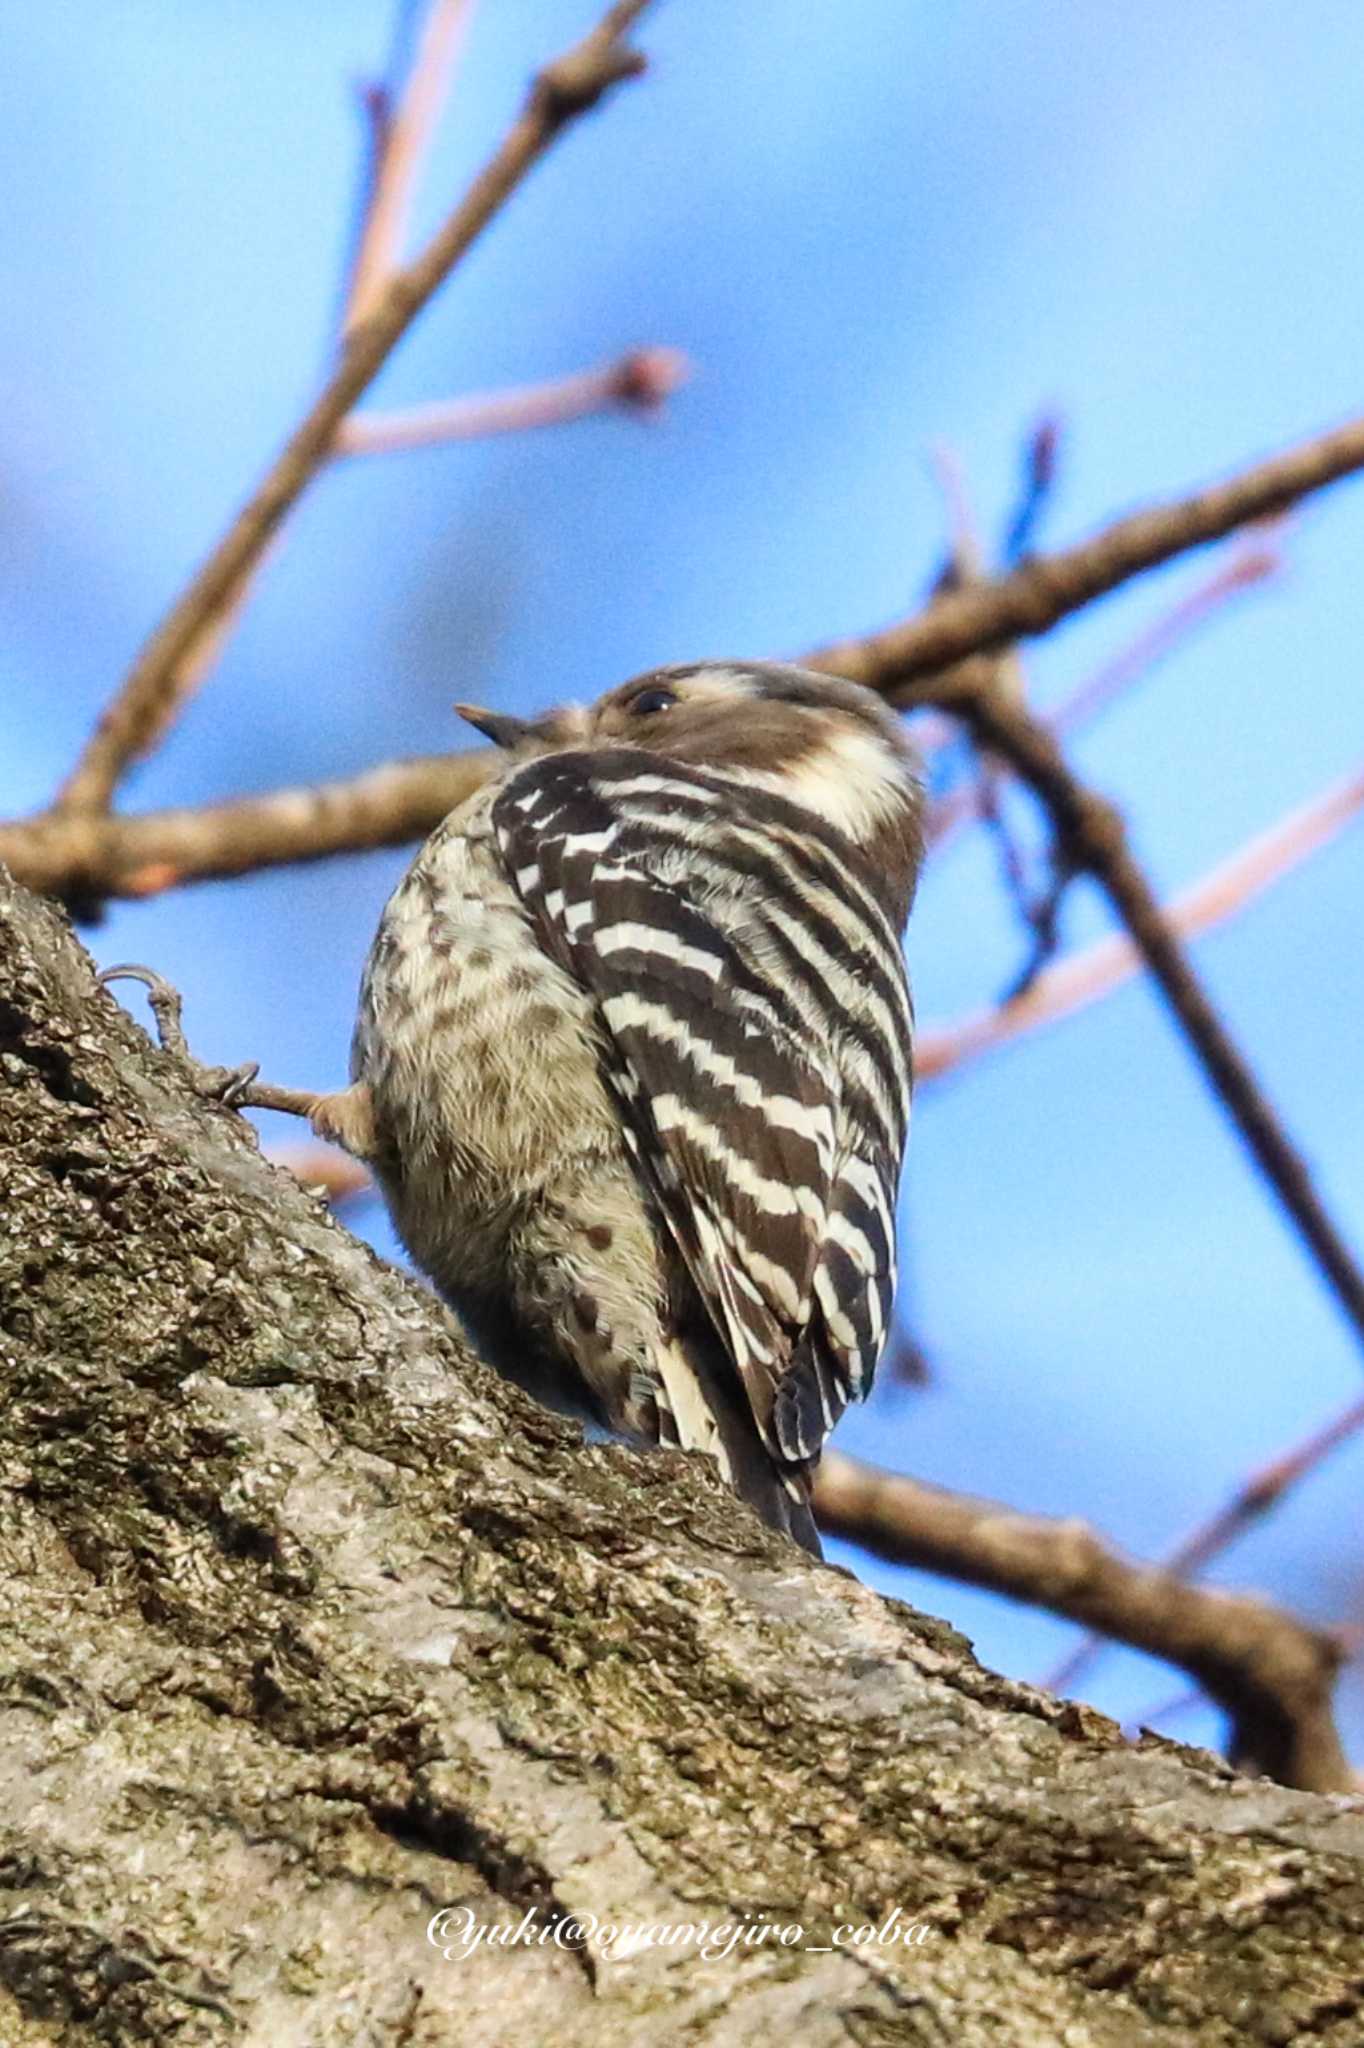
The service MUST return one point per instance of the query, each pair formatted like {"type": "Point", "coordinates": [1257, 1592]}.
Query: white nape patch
{"type": "Point", "coordinates": [852, 779]}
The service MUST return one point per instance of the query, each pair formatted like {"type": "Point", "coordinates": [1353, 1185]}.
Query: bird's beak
{"type": "Point", "coordinates": [497, 726]}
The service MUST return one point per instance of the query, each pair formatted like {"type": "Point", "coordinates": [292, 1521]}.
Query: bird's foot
{"type": "Point", "coordinates": [232, 1086]}
{"type": "Point", "coordinates": [345, 1117]}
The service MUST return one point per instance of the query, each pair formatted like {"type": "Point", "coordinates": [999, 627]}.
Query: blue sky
{"type": "Point", "coordinates": [872, 224]}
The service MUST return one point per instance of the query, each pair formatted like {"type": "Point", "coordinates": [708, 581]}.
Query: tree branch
{"type": "Point", "coordinates": [1094, 841]}
{"type": "Point", "coordinates": [903, 660]}
{"type": "Point", "coordinates": [1271, 1674]}
{"type": "Point", "coordinates": [80, 855]}
{"type": "Point", "coordinates": [1256, 558]}
{"type": "Point", "coordinates": [1254, 1498]}
{"type": "Point", "coordinates": [564, 90]}
{"type": "Point", "coordinates": [1085, 978]}
{"type": "Point", "coordinates": [1250, 562]}
{"type": "Point", "coordinates": [68, 856]}
{"type": "Point", "coordinates": [405, 139]}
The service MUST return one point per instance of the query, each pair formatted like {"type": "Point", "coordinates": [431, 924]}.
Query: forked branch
{"type": "Point", "coordinates": [562, 93]}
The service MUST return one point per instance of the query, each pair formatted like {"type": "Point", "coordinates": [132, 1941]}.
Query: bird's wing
{"type": "Point", "coordinates": [743, 1128]}
{"type": "Point", "coordinates": [854, 1287]}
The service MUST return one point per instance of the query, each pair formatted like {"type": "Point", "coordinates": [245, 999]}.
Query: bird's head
{"type": "Point", "coordinates": [829, 746]}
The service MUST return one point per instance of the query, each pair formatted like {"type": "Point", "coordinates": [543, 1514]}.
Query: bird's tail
{"type": "Point", "coordinates": [703, 1407]}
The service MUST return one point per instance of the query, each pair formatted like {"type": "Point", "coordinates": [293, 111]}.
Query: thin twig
{"type": "Point", "coordinates": [1269, 1671]}
{"type": "Point", "coordinates": [563, 91]}
{"type": "Point", "coordinates": [948, 815]}
{"type": "Point", "coordinates": [375, 100]}
{"type": "Point", "coordinates": [638, 382]}
{"type": "Point", "coordinates": [1047, 588]}
{"type": "Point", "coordinates": [1093, 839]}
{"type": "Point", "coordinates": [1250, 562]}
{"type": "Point", "coordinates": [966, 564]}
{"type": "Point", "coordinates": [1252, 1500]}
{"type": "Point", "coordinates": [1074, 984]}
{"type": "Point", "coordinates": [1263, 1490]}
{"type": "Point", "coordinates": [1175, 1703]}
{"type": "Point", "coordinates": [407, 136]}
{"type": "Point", "coordinates": [56, 855]}
{"type": "Point", "coordinates": [1348, 1640]}
{"type": "Point", "coordinates": [1041, 461]}
{"type": "Point", "coordinates": [1038, 907]}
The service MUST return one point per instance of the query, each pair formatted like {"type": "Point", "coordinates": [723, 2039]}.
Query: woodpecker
{"type": "Point", "coordinates": [633, 1059]}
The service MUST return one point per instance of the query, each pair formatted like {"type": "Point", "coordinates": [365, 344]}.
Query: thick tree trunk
{"type": "Point", "coordinates": [312, 1628]}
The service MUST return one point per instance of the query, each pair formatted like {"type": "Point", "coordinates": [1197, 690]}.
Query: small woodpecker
{"type": "Point", "coordinates": [634, 1055]}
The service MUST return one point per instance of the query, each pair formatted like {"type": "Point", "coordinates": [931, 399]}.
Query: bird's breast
{"type": "Point", "coordinates": [480, 1051]}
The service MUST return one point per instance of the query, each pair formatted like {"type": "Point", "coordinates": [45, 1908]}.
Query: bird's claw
{"type": "Point", "coordinates": [166, 1002]}
{"type": "Point", "coordinates": [228, 1085]}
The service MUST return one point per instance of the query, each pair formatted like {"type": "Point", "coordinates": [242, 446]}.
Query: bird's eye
{"type": "Point", "coordinates": [650, 701]}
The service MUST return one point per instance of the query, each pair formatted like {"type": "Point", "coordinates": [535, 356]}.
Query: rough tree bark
{"type": "Point", "coordinates": [313, 1626]}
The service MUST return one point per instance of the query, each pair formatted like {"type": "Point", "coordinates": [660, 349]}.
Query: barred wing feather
{"type": "Point", "coordinates": [768, 1167]}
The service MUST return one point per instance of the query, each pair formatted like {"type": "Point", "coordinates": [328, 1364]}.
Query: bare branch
{"type": "Point", "coordinates": [1090, 835]}
{"type": "Point", "coordinates": [1254, 1498]}
{"type": "Point", "coordinates": [1249, 563]}
{"type": "Point", "coordinates": [1093, 839]}
{"type": "Point", "coordinates": [1041, 458]}
{"type": "Point", "coordinates": [1253, 561]}
{"type": "Point", "coordinates": [638, 382]}
{"type": "Point", "coordinates": [565, 90]}
{"type": "Point", "coordinates": [91, 856]}
{"type": "Point", "coordinates": [57, 856]}
{"type": "Point", "coordinates": [1269, 1671]}
{"type": "Point", "coordinates": [1047, 588]}
{"type": "Point", "coordinates": [1074, 984]}
{"type": "Point", "coordinates": [397, 160]}
{"type": "Point", "coordinates": [967, 564]}
{"type": "Point", "coordinates": [375, 100]}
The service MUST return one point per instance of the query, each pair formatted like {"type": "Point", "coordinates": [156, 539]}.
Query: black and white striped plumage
{"type": "Point", "coordinates": [638, 1039]}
